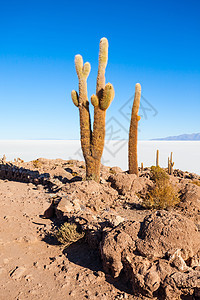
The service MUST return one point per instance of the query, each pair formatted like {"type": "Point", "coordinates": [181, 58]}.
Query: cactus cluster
{"type": "Point", "coordinates": [92, 141]}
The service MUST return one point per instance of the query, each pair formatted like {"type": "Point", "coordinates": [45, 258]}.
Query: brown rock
{"type": "Point", "coordinates": [163, 231]}
{"type": "Point", "coordinates": [114, 243]}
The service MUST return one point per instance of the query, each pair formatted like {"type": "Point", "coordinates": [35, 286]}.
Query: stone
{"type": "Point", "coordinates": [176, 260]}
{"type": "Point", "coordinates": [113, 244]}
{"type": "Point", "coordinates": [158, 252]}
{"type": "Point", "coordinates": [17, 273]}
{"type": "Point", "coordinates": [163, 231]}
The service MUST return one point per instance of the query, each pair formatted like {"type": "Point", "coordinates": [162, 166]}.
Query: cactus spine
{"type": "Point", "coordinates": [157, 158]}
{"type": "Point", "coordinates": [92, 142]}
{"type": "Point", "coordinates": [133, 132]}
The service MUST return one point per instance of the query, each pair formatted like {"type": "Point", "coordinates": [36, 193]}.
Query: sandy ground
{"type": "Point", "coordinates": [32, 268]}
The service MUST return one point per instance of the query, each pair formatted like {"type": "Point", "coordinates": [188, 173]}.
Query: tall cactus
{"type": "Point", "coordinates": [133, 132]}
{"type": "Point", "coordinates": [92, 141]}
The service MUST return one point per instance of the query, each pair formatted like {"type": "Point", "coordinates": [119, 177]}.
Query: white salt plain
{"type": "Point", "coordinates": [186, 154]}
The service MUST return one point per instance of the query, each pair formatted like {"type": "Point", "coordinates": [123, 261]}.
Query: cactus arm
{"type": "Point", "coordinates": [133, 132]}
{"type": "Point", "coordinates": [86, 69]}
{"type": "Point", "coordinates": [103, 59]}
{"type": "Point", "coordinates": [83, 104]}
{"type": "Point", "coordinates": [95, 100]}
{"type": "Point", "coordinates": [75, 98]}
{"type": "Point", "coordinates": [79, 65]}
{"type": "Point", "coordinates": [108, 96]}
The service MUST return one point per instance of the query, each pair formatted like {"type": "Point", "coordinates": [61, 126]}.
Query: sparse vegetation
{"type": "Point", "coordinates": [111, 171]}
{"type": "Point", "coordinates": [82, 166]}
{"type": "Point", "coordinates": [158, 174]}
{"type": "Point", "coordinates": [70, 162]}
{"type": "Point", "coordinates": [196, 182]}
{"type": "Point", "coordinates": [18, 160]}
{"type": "Point", "coordinates": [69, 233]}
{"type": "Point", "coordinates": [37, 163]}
{"type": "Point", "coordinates": [163, 194]}
{"type": "Point", "coordinates": [75, 174]}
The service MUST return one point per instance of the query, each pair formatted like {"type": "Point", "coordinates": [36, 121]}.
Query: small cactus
{"type": "Point", "coordinates": [133, 132]}
{"type": "Point", "coordinates": [3, 160]}
{"type": "Point", "coordinates": [157, 158]}
{"type": "Point", "coordinates": [170, 164]}
{"type": "Point", "coordinates": [92, 142]}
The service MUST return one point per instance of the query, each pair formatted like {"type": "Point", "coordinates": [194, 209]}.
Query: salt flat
{"type": "Point", "coordinates": [186, 154]}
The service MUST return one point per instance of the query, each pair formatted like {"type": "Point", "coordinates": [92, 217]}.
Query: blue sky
{"type": "Point", "coordinates": [155, 43]}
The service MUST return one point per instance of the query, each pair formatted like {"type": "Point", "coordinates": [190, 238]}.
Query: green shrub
{"type": "Point", "coordinates": [163, 194]}
{"type": "Point", "coordinates": [69, 233]}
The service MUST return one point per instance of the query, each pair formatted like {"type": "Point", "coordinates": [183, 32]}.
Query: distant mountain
{"type": "Point", "coordinates": [182, 137]}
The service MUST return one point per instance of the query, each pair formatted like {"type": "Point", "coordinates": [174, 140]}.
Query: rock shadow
{"type": "Point", "coordinates": [80, 253]}
{"type": "Point", "coordinates": [11, 172]}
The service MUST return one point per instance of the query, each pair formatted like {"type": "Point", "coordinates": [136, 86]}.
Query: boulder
{"type": "Point", "coordinates": [163, 231]}
{"type": "Point", "coordinates": [159, 256]}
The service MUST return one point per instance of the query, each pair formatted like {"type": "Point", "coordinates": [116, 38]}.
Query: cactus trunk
{"type": "Point", "coordinates": [133, 132]}
{"type": "Point", "coordinates": [92, 142]}
{"type": "Point", "coordinates": [93, 168]}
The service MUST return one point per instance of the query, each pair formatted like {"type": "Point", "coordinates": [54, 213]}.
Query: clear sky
{"type": "Point", "coordinates": [156, 43]}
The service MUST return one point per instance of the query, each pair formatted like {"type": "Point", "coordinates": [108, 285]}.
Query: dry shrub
{"type": "Point", "coordinates": [158, 174]}
{"type": "Point", "coordinates": [112, 171]}
{"type": "Point", "coordinates": [74, 174]}
{"type": "Point", "coordinates": [69, 233]}
{"type": "Point", "coordinates": [70, 162]}
{"type": "Point", "coordinates": [163, 194]}
{"type": "Point", "coordinates": [196, 182]}
{"type": "Point", "coordinates": [82, 166]}
{"type": "Point", "coordinates": [37, 163]}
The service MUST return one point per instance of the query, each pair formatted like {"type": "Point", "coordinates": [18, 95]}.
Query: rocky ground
{"type": "Point", "coordinates": [128, 252]}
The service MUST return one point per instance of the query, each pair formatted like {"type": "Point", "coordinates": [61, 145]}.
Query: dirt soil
{"type": "Point", "coordinates": [31, 268]}
{"type": "Point", "coordinates": [33, 265]}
